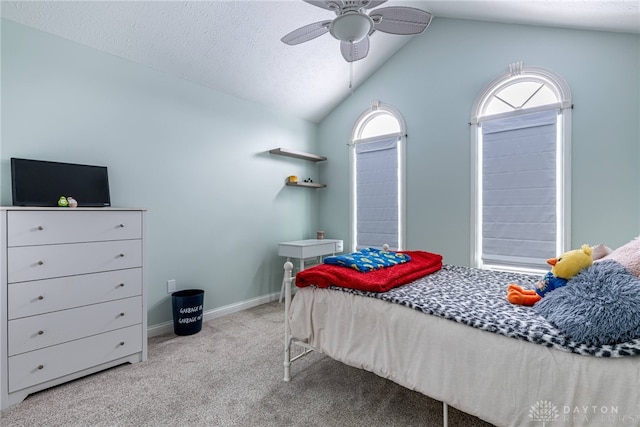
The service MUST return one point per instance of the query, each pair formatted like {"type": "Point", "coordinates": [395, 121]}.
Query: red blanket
{"type": "Point", "coordinates": [325, 275]}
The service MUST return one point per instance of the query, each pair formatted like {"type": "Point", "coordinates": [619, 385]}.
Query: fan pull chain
{"type": "Point", "coordinates": [351, 69]}
{"type": "Point", "coordinates": [351, 77]}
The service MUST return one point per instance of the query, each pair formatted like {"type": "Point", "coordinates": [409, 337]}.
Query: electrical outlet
{"type": "Point", "coordinates": [171, 286]}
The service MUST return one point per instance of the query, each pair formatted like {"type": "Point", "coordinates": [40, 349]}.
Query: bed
{"type": "Point", "coordinates": [452, 335]}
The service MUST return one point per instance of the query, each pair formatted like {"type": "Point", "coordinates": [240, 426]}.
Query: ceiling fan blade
{"type": "Point", "coordinates": [400, 20]}
{"type": "Point", "coordinates": [355, 51]}
{"type": "Point", "coordinates": [306, 33]}
{"type": "Point", "coordinates": [327, 4]}
{"type": "Point", "coordinates": [373, 3]}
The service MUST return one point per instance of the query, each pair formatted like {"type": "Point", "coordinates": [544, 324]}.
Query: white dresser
{"type": "Point", "coordinates": [72, 295]}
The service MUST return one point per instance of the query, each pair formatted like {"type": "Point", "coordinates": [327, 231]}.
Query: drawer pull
{"type": "Point", "coordinates": [40, 228]}
{"type": "Point", "coordinates": [121, 225]}
{"type": "Point", "coordinates": [40, 297]}
{"type": "Point", "coordinates": [40, 332]}
{"type": "Point", "coordinates": [121, 285]}
{"type": "Point", "coordinates": [121, 314]}
{"type": "Point", "coordinates": [40, 262]}
{"type": "Point", "coordinates": [121, 342]}
{"type": "Point", "coordinates": [120, 255]}
{"type": "Point", "coordinates": [40, 366]}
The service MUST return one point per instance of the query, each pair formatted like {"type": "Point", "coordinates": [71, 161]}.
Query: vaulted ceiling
{"type": "Point", "coordinates": [235, 47]}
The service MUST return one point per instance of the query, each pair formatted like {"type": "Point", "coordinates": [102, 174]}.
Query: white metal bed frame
{"type": "Point", "coordinates": [522, 373]}
{"type": "Point", "coordinates": [289, 341]}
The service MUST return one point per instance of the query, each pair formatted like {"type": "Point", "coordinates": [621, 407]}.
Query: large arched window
{"type": "Point", "coordinates": [521, 145]}
{"type": "Point", "coordinates": [377, 203]}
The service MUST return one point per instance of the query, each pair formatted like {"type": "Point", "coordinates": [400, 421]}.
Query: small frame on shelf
{"type": "Point", "coordinates": [297, 154]}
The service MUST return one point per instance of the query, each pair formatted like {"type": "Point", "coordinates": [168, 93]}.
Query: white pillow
{"type": "Point", "coordinates": [600, 251]}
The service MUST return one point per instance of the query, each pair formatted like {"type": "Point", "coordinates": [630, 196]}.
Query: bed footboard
{"type": "Point", "coordinates": [289, 341]}
{"type": "Point", "coordinates": [288, 268]}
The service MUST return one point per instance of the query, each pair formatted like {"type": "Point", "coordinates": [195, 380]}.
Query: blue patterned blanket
{"type": "Point", "coordinates": [368, 259]}
{"type": "Point", "coordinates": [477, 298]}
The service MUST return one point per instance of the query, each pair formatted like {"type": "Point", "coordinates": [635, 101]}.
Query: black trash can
{"type": "Point", "coordinates": [187, 311]}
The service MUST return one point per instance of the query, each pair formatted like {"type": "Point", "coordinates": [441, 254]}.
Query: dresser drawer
{"type": "Point", "coordinates": [44, 296]}
{"type": "Point", "coordinates": [43, 262]}
{"type": "Point", "coordinates": [26, 228]}
{"type": "Point", "coordinates": [38, 366]}
{"type": "Point", "coordinates": [35, 332]}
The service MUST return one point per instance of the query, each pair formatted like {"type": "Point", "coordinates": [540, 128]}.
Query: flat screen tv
{"type": "Point", "coordinates": [42, 183]}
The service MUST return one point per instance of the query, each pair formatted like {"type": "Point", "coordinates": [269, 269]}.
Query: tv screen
{"type": "Point", "coordinates": [42, 183]}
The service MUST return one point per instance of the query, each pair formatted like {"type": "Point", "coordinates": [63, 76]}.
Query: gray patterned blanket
{"type": "Point", "coordinates": [477, 298]}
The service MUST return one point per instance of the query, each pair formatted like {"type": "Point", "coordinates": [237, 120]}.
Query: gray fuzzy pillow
{"type": "Point", "coordinates": [600, 305]}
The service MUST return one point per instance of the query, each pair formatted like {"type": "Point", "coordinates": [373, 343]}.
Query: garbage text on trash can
{"type": "Point", "coordinates": [187, 311]}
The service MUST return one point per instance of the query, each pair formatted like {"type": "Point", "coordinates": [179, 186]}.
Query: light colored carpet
{"type": "Point", "coordinates": [230, 374]}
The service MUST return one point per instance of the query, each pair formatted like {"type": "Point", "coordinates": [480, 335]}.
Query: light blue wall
{"type": "Point", "coordinates": [196, 158]}
{"type": "Point", "coordinates": [434, 80]}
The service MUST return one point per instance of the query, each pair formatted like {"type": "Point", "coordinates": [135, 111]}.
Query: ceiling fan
{"type": "Point", "coordinates": [353, 26]}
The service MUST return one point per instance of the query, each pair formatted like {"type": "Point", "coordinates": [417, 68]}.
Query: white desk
{"type": "Point", "coordinates": [306, 249]}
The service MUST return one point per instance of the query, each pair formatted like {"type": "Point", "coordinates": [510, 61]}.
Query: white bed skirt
{"type": "Point", "coordinates": [502, 380]}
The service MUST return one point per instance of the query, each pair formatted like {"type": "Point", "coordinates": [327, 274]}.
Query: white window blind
{"type": "Point", "coordinates": [377, 192]}
{"type": "Point", "coordinates": [519, 219]}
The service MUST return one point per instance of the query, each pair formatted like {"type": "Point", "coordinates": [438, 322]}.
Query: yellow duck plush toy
{"type": "Point", "coordinates": [563, 268]}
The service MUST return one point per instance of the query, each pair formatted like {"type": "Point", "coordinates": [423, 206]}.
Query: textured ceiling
{"type": "Point", "coordinates": [235, 47]}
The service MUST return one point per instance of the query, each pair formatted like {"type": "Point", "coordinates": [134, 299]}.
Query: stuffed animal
{"type": "Point", "coordinates": [563, 268]}
{"type": "Point", "coordinates": [72, 202]}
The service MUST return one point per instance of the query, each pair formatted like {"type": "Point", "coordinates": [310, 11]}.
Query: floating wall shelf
{"type": "Point", "coordinates": [297, 155]}
{"type": "Point", "coordinates": [306, 184]}
{"type": "Point", "coordinates": [302, 156]}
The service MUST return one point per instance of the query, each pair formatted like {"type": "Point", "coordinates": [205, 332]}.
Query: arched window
{"type": "Point", "coordinates": [521, 145]}
{"type": "Point", "coordinates": [377, 204]}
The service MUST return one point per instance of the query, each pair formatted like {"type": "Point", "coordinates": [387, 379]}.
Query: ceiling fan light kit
{"type": "Point", "coordinates": [353, 26]}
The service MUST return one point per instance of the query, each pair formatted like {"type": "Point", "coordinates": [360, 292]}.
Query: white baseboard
{"type": "Point", "coordinates": [162, 328]}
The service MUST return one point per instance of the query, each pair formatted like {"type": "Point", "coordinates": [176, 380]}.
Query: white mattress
{"type": "Point", "coordinates": [502, 380]}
